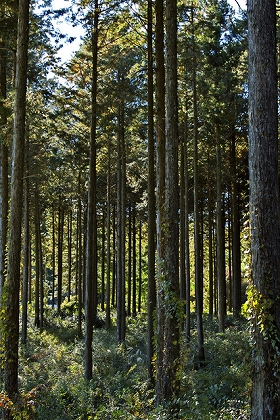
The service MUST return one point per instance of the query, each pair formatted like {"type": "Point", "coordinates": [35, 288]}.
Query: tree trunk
{"type": "Point", "coordinates": [108, 234]}
{"type": "Point", "coordinates": [264, 208]}
{"type": "Point", "coordinates": [129, 262]}
{"type": "Point", "coordinates": [134, 261]}
{"type": "Point", "coordinates": [199, 303]}
{"type": "Point", "coordinates": [3, 167]}
{"type": "Point", "coordinates": [151, 201]}
{"type": "Point", "coordinates": [26, 253]}
{"type": "Point", "coordinates": [70, 221]}
{"type": "Point", "coordinates": [220, 238]}
{"type": "Point", "coordinates": [160, 187]}
{"type": "Point", "coordinates": [60, 253]}
{"type": "Point", "coordinates": [91, 242]}
{"type": "Point", "coordinates": [103, 259]}
{"type": "Point", "coordinates": [38, 257]}
{"type": "Point", "coordinates": [187, 244]}
{"type": "Point", "coordinates": [236, 256]}
{"type": "Point", "coordinates": [171, 304]}
{"type": "Point", "coordinates": [121, 199]}
{"type": "Point", "coordinates": [80, 253]}
{"type": "Point", "coordinates": [182, 227]}
{"type": "Point", "coordinates": [140, 267]}
{"type": "Point", "coordinates": [113, 297]}
{"type": "Point", "coordinates": [11, 327]}
{"type": "Point", "coordinates": [53, 256]}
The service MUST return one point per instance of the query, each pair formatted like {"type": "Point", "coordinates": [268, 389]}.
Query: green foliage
{"type": "Point", "coordinates": [260, 310]}
{"type": "Point", "coordinates": [52, 383]}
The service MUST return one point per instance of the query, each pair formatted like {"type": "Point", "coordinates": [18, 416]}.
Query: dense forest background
{"type": "Point", "coordinates": [134, 258]}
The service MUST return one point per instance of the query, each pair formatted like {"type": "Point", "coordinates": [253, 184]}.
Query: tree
{"type": "Point", "coordinates": [151, 198]}
{"type": "Point", "coordinates": [264, 208]}
{"type": "Point", "coordinates": [8, 23]}
{"type": "Point", "coordinates": [91, 243]}
{"type": "Point", "coordinates": [172, 309]}
{"type": "Point", "coordinates": [160, 185]}
{"type": "Point", "coordinates": [11, 321]}
{"type": "Point", "coordinates": [197, 241]}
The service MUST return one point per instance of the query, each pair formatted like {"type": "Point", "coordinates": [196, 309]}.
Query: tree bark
{"type": "Point", "coordinates": [3, 167]}
{"type": "Point", "coordinates": [70, 222]}
{"type": "Point", "coordinates": [199, 303]}
{"type": "Point", "coordinates": [140, 267]}
{"type": "Point", "coordinates": [91, 242]}
{"type": "Point", "coordinates": [160, 187]}
{"type": "Point", "coordinates": [264, 208]}
{"type": "Point", "coordinates": [121, 200]}
{"type": "Point", "coordinates": [11, 323]}
{"type": "Point", "coordinates": [134, 261]}
{"type": "Point", "coordinates": [60, 252]}
{"type": "Point", "coordinates": [108, 234]}
{"type": "Point", "coordinates": [220, 237]}
{"type": "Point", "coordinates": [151, 201]}
{"type": "Point", "coordinates": [171, 294]}
{"type": "Point", "coordinates": [26, 253]}
{"type": "Point", "coordinates": [53, 255]}
{"type": "Point", "coordinates": [236, 254]}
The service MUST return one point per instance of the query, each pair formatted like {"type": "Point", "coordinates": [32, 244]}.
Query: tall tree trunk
{"type": "Point", "coordinates": [80, 253]}
{"type": "Point", "coordinates": [151, 201]}
{"type": "Point", "coordinates": [264, 208]}
{"type": "Point", "coordinates": [182, 227]}
{"type": "Point", "coordinates": [197, 251]}
{"type": "Point", "coordinates": [170, 282]}
{"type": "Point", "coordinates": [113, 297]}
{"type": "Point", "coordinates": [236, 255]}
{"type": "Point", "coordinates": [11, 323]}
{"type": "Point", "coordinates": [3, 166]}
{"type": "Point", "coordinates": [103, 259]}
{"type": "Point", "coordinates": [220, 238]}
{"type": "Point", "coordinates": [187, 244]}
{"type": "Point", "coordinates": [121, 200]}
{"type": "Point", "coordinates": [108, 234]}
{"type": "Point", "coordinates": [134, 261]}
{"type": "Point", "coordinates": [26, 252]}
{"type": "Point", "coordinates": [91, 242]}
{"type": "Point", "coordinates": [53, 255]}
{"type": "Point", "coordinates": [70, 221]}
{"type": "Point", "coordinates": [160, 187]}
{"type": "Point", "coordinates": [140, 267]}
{"type": "Point", "coordinates": [60, 252]}
{"type": "Point", "coordinates": [210, 260]}
{"type": "Point", "coordinates": [129, 262]}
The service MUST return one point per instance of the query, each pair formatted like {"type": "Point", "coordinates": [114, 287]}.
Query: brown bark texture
{"type": "Point", "coordinates": [264, 208]}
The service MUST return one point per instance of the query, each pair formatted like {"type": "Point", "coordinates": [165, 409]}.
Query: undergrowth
{"type": "Point", "coordinates": [53, 388]}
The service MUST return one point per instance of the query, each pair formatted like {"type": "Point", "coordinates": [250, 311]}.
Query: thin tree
{"type": "Point", "coordinates": [198, 279]}
{"type": "Point", "coordinates": [236, 254]}
{"type": "Point", "coordinates": [3, 164]}
{"type": "Point", "coordinates": [220, 236]}
{"type": "Point", "coordinates": [11, 321]}
{"type": "Point", "coordinates": [151, 201]}
{"type": "Point", "coordinates": [91, 242]}
{"type": "Point", "coordinates": [121, 199]}
{"type": "Point", "coordinates": [26, 253]}
{"type": "Point", "coordinates": [160, 185]}
{"type": "Point", "coordinates": [264, 207]}
{"type": "Point", "coordinates": [108, 234]}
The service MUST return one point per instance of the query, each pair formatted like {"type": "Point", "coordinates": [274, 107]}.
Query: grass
{"type": "Point", "coordinates": [53, 388]}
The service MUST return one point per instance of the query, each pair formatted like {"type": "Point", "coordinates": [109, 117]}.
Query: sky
{"type": "Point", "coordinates": [69, 49]}
{"type": "Point", "coordinates": [242, 4]}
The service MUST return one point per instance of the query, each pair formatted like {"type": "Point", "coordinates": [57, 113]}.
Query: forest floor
{"type": "Point", "coordinates": [53, 388]}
